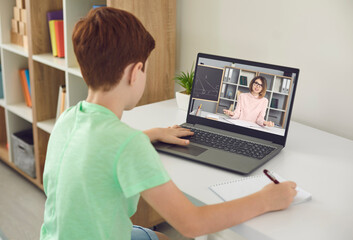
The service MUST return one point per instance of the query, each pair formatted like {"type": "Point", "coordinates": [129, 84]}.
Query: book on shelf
{"type": "Point", "coordinates": [51, 17]}
{"type": "Point", "coordinates": [53, 38]}
{"type": "Point", "coordinates": [25, 88]}
{"type": "Point", "coordinates": [59, 37]}
{"type": "Point", "coordinates": [62, 103]}
{"type": "Point", "coordinates": [223, 90]}
{"type": "Point", "coordinates": [278, 85]}
{"type": "Point", "coordinates": [226, 75]}
{"type": "Point", "coordinates": [28, 81]}
{"type": "Point", "coordinates": [98, 6]}
{"type": "Point", "coordinates": [285, 85]}
{"type": "Point", "coordinates": [274, 103]}
{"type": "Point", "coordinates": [288, 85]}
{"type": "Point", "coordinates": [244, 80]}
{"type": "Point", "coordinates": [230, 75]}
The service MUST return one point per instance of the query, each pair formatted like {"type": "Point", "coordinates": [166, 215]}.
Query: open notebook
{"type": "Point", "coordinates": [238, 188]}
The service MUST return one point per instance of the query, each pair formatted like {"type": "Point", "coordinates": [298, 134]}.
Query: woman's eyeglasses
{"type": "Point", "coordinates": [258, 84]}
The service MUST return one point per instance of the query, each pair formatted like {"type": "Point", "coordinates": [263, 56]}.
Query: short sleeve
{"type": "Point", "coordinates": [138, 166]}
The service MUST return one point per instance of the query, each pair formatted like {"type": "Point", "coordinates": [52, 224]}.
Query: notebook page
{"type": "Point", "coordinates": [239, 188]}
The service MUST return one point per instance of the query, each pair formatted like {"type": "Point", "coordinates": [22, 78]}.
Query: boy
{"type": "Point", "coordinates": [97, 167]}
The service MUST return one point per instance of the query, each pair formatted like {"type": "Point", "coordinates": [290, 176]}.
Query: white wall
{"type": "Point", "coordinates": [315, 36]}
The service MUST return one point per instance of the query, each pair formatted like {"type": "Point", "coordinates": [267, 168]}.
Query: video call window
{"type": "Point", "coordinates": [220, 87]}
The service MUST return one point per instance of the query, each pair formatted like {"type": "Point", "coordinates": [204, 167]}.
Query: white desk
{"type": "Point", "coordinates": [319, 162]}
{"type": "Point", "coordinates": [242, 123]}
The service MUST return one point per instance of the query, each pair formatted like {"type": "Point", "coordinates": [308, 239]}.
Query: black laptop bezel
{"type": "Point", "coordinates": [278, 139]}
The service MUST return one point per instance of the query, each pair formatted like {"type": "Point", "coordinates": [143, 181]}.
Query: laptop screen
{"type": "Point", "coordinates": [243, 96]}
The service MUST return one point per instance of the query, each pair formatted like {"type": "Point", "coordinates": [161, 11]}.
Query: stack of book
{"type": "Point", "coordinates": [19, 25]}
{"type": "Point", "coordinates": [26, 86]}
{"type": "Point", "coordinates": [56, 32]}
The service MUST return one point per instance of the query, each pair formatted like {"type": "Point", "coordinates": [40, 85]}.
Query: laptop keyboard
{"type": "Point", "coordinates": [230, 144]}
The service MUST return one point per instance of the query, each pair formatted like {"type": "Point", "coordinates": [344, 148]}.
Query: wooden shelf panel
{"type": "Point", "coordinates": [4, 153]}
{"type": "Point", "coordinates": [47, 125]}
{"type": "Point", "coordinates": [159, 18]}
{"type": "Point", "coordinates": [47, 81]}
{"type": "Point", "coordinates": [15, 49]}
{"type": "Point", "coordinates": [43, 139]}
{"type": "Point", "coordinates": [50, 60]}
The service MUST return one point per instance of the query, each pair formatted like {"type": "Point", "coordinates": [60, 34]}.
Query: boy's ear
{"type": "Point", "coordinates": [135, 72]}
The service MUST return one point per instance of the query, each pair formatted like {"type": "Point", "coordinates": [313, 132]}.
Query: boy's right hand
{"type": "Point", "coordinates": [278, 196]}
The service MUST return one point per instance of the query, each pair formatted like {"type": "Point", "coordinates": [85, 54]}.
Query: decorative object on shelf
{"type": "Point", "coordinates": [19, 25]}
{"type": "Point", "coordinates": [230, 94]}
{"type": "Point", "coordinates": [184, 79]}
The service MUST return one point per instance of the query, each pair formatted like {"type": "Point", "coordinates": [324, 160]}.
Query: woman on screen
{"type": "Point", "coordinates": [252, 106]}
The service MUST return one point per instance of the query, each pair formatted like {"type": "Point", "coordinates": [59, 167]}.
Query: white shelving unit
{"type": "Point", "coordinates": [47, 73]}
{"type": "Point", "coordinates": [232, 86]}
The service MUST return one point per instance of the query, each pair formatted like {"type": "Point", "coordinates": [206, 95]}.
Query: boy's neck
{"type": "Point", "coordinates": [108, 99]}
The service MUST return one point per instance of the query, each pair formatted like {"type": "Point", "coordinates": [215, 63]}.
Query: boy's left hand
{"type": "Point", "coordinates": [170, 135]}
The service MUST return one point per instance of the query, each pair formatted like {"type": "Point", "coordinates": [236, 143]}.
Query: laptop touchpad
{"type": "Point", "coordinates": [190, 149]}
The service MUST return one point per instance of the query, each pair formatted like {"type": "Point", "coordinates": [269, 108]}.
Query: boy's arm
{"type": "Point", "coordinates": [169, 135]}
{"type": "Point", "coordinates": [192, 221]}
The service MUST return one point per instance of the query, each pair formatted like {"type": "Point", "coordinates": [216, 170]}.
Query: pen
{"type": "Point", "coordinates": [270, 176]}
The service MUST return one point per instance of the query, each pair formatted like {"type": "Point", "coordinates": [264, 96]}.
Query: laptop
{"type": "Point", "coordinates": [237, 143]}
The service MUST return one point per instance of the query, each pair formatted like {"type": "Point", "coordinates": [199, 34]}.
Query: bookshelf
{"type": "Point", "coordinates": [233, 83]}
{"type": "Point", "coordinates": [47, 73]}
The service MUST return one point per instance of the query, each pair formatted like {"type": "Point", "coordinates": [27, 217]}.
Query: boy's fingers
{"type": "Point", "coordinates": [185, 133]}
{"type": "Point", "coordinates": [180, 141]}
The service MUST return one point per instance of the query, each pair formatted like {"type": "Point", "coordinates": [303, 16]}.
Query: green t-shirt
{"type": "Point", "coordinates": [95, 168]}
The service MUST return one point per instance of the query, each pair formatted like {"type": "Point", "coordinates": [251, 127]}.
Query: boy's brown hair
{"type": "Point", "coordinates": [105, 42]}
